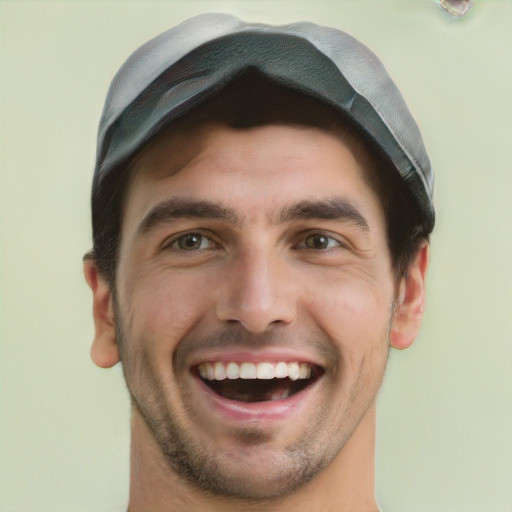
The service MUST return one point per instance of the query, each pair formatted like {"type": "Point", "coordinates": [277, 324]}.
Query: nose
{"type": "Point", "coordinates": [258, 291]}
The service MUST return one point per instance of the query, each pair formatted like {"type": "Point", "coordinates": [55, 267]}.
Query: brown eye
{"type": "Point", "coordinates": [319, 241]}
{"type": "Point", "coordinates": [191, 242]}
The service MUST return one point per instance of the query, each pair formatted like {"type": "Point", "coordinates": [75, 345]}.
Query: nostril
{"type": "Point", "coordinates": [259, 320]}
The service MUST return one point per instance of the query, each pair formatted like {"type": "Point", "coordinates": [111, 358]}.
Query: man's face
{"type": "Point", "coordinates": [257, 252]}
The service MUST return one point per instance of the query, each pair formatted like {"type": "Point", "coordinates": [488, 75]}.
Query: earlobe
{"type": "Point", "coordinates": [104, 350]}
{"type": "Point", "coordinates": [410, 301]}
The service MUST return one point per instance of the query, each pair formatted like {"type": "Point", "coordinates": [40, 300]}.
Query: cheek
{"type": "Point", "coordinates": [355, 312]}
{"type": "Point", "coordinates": [162, 307]}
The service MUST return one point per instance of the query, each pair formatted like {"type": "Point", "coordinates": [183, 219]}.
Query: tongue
{"type": "Point", "coordinates": [256, 390]}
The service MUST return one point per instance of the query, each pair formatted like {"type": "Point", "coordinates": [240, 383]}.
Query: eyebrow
{"type": "Point", "coordinates": [336, 208]}
{"type": "Point", "coordinates": [180, 208]}
{"type": "Point", "coordinates": [329, 209]}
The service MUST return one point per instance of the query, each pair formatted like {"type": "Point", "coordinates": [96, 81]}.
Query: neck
{"type": "Point", "coordinates": [346, 485]}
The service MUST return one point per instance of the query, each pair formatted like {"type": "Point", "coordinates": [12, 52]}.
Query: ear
{"type": "Point", "coordinates": [410, 301]}
{"type": "Point", "coordinates": [104, 350]}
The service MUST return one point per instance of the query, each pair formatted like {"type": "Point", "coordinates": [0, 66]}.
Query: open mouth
{"type": "Point", "coordinates": [258, 382]}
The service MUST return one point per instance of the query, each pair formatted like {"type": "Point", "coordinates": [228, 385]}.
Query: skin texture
{"type": "Point", "coordinates": [267, 278]}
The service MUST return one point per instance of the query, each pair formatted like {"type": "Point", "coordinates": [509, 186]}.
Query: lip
{"type": "Point", "coordinates": [226, 355]}
{"type": "Point", "coordinates": [271, 410]}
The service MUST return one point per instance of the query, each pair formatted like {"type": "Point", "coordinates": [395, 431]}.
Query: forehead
{"type": "Point", "coordinates": [183, 145]}
{"type": "Point", "coordinates": [244, 107]}
{"type": "Point", "coordinates": [250, 102]}
{"type": "Point", "coordinates": [253, 171]}
{"type": "Point", "coordinates": [214, 147]}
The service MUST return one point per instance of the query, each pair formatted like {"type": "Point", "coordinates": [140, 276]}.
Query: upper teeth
{"type": "Point", "coordinates": [264, 370]}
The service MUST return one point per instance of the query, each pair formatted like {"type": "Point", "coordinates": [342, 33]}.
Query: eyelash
{"type": "Point", "coordinates": [331, 241]}
{"type": "Point", "coordinates": [190, 235]}
{"type": "Point", "coordinates": [328, 238]}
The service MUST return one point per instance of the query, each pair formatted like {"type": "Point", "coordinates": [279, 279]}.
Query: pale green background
{"type": "Point", "coordinates": [445, 412]}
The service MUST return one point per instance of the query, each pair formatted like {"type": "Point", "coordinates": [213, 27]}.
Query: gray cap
{"type": "Point", "coordinates": [184, 66]}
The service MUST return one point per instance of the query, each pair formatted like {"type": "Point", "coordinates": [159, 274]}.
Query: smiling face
{"type": "Point", "coordinates": [254, 302]}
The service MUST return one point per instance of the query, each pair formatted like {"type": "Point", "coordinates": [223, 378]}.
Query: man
{"type": "Point", "coordinates": [261, 212]}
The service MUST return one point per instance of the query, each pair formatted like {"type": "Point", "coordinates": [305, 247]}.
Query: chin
{"type": "Point", "coordinates": [255, 469]}
{"type": "Point", "coordinates": [259, 480]}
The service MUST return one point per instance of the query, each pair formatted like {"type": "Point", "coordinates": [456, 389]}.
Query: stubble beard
{"type": "Point", "coordinates": [203, 469]}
